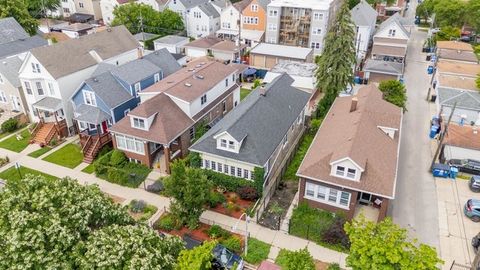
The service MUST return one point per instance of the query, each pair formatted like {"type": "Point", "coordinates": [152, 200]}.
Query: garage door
{"type": "Point", "coordinates": [378, 77]}
{"type": "Point", "coordinates": [258, 61]}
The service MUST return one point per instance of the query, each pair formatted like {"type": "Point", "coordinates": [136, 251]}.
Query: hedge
{"type": "Point", "coordinates": [230, 183]}
{"type": "Point", "coordinates": [126, 174]}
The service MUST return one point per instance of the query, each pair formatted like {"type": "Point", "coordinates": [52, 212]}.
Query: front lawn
{"type": "Point", "coordinates": [15, 145]}
{"type": "Point", "coordinates": [69, 156]}
{"type": "Point", "coordinates": [244, 92]}
{"type": "Point", "coordinates": [89, 169]}
{"type": "Point", "coordinates": [40, 151]}
{"type": "Point", "coordinates": [12, 173]}
{"type": "Point", "coordinates": [257, 251]}
{"type": "Point", "coordinates": [292, 168]}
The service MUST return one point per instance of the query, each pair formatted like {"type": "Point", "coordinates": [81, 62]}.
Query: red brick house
{"type": "Point", "coordinates": [353, 157]}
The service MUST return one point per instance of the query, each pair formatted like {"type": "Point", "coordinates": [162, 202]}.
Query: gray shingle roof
{"type": "Point", "coordinates": [264, 4]}
{"type": "Point", "coordinates": [188, 4]}
{"type": "Point", "coordinates": [384, 67]}
{"type": "Point", "coordinates": [164, 60]}
{"type": "Point", "coordinates": [171, 39]}
{"type": "Point", "coordinates": [142, 36]}
{"type": "Point", "coordinates": [363, 14]}
{"type": "Point", "coordinates": [465, 99]}
{"type": "Point", "coordinates": [108, 89]}
{"type": "Point", "coordinates": [134, 71]}
{"type": "Point", "coordinates": [262, 121]}
{"type": "Point", "coordinates": [10, 30]}
{"type": "Point", "coordinates": [50, 104]}
{"type": "Point", "coordinates": [209, 10]}
{"type": "Point", "coordinates": [90, 114]}
{"type": "Point", "coordinates": [9, 68]}
{"type": "Point", "coordinates": [102, 68]}
{"type": "Point", "coordinates": [70, 56]}
{"type": "Point", "coordinates": [395, 18]}
{"type": "Point", "coordinates": [21, 45]}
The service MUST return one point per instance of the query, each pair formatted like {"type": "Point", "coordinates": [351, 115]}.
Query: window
{"type": "Point", "coordinates": [197, 14]}
{"type": "Point", "coordinates": [224, 105]}
{"type": "Point", "coordinates": [51, 89]}
{"type": "Point", "coordinates": [204, 28]}
{"type": "Point", "coordinates": [226, 25]}
{"type": "Point", "coordinates": [231, 145]}
{"type": "Point", "coordinates": [156, 77]}
{"type": "Point", "coordinates": [272, 40]}
{"type": "Point", "coordinates": [315, 45]}
{"type": "Point", "coordinates": [66, 10]}
{"type": "Point", "coordinates": [225, 169]}
{"type": "Point", "coordinates": [340, 171]}
{"type": "Point", "coordinates": [3, 97]}
{"type": "Point", "coordinates": [239, 172]}
{"type": "Point", "coordinates": [125, 113]}
{"type": "Point", "coordinates": [250, 20]}
{"type": "Point", "coordinates": [80, 5]}
{"type": "Point", "coordinates": [203, 99]}
{"type": "Point", "coordinates": [28, 88]}
{"type": "Point", "coordinates": [39, 88]}
{"type": "Point", "coordinates": [246, 174]}
{"type": "Point", "coordinates": [351, 173]}
{"type": "Point", "coordinates": [138, 88]}
{"type": "Point", "coordinates": [198, 27]}
{"type": "Point", "coordinates": [89, 98]}
{"type": "Point", "coordinates": [130, 144]}
{"type": "Point", "coordinates": [219, 167]}
{"type": "Point", "coordinates": [214, 165]}
{"type": "Point", "coordinates": [207, 164]}
{"type": "Point", "coordinates": [192, 133]}
{"type": "Point", "coordinates": [233, 77]}
{"type": "Point", "coordinates": [35, 68]}
{"type": "Point", "coordinates": [272, 26]}
{"type": "Point", "coordinates": [317, 16]}
{"type": "Point", "coordinates": [316, 31]}
{"type": "Point", "coordinates": [254, 8]}
{"type": "Point", "coordinates": [92, 127]}
{"type": "Point", "coordinates": [391, 32]}
{"type": "Point", "coordinates": [226, 82]}
{"type": "Point", "coordinates": [223, 143]}
{"type": "Point", "coordinates": [138, 123]}
{"type": "Point", "coordinates": [327, 195]}
{"type": "Point", "coordinates": [232, 170]}
{"type": "Point", "coordinates": [273, 13]}
{"type": "Point", "coordinates": [82, 125]}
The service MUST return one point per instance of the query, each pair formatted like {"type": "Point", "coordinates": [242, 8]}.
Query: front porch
{"type": "Point", "coordinates": [52, 123]}
{"type": "Point", "coordinates": [372, 207]}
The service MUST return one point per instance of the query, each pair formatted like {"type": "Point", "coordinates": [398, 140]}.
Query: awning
{"type": "Point", "coordinates": [227, 32]}
{"type": "Point", "coordinates": [249, 71]}
{"type": "Point", "coordinates": [90, 114]}
{"type": "Point", "coordinates": [48, 104]}
{"type": "Point", "coordinates": [254, 35]}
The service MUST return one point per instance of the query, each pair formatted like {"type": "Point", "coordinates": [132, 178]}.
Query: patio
{"type": "Point", "coordinates": [369, 212]}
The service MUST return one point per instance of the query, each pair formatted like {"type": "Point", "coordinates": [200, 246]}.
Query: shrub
{"type": "Point", "coordinates": [335, 234]}
{"type": "Point", "coordinates": [215, 199]}
{"type": "Point", "coordinates": [232, 243]}
{"type": "Point", "coordinates": [257, 251]}
{"type": "Point", "coordinates": [137, 206]}
{"type": "Point", "coordinates": [105, 150]}
{"type": "Point", "coordinates": [217, 232]}
{"type": "Point", "coordinates": [53, 142]}
{"type": "Point", "coordinates": [118, 158]}
{"type": "Point", "coordinates": [292, 260]}
{"type": "Point", "coordinates": [247, 193]}
{"type": "Point", "coordinates": [166, 223]}
{"type": "Point", "coordinates": [334, 266]}
{"type": "Point", "coordinates": [314, 125]}
{"type": "Point", "coordinates": [156, 187]}
{"type": "Point", "coordinates": [231, 183]}
{"type": "Point", "coordinates": [10, 125]}
{"type": "Point", "coordinates": [195, 160]}
{"type": "Point", "coordinates": [117, 176]}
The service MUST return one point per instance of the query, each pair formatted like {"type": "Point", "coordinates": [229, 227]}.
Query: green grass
{"type": "Point", "coordinates": [89, 169]}
{"type": "Point", "coordinates": [69, 156]}
{"type": "Point", "coordinates": [299, 155]}
{"type": "Point", "coordinates": [12, 173]}
{"type": "Point", "coordinates": [257, 251]}
{"type": "Point", "coordinates": [40, 151]}
{"type": "Point", "coordinates": [15, 145]}
{"type": "Point", "coordinates": [244, 92]}
{"type": "Point", "coordinates": [282, 258]}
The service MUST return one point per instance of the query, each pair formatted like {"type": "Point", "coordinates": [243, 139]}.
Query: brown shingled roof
{"type": "Point", "coordinates": [458, 68]}
{"type": "Point", "coordinates": [241, 5]}
{"type": "Point", "coordinates": [454, 45]}
{"type": "Point", "coordinates": [389, 50]}
{"type": "Point", "coordinates": [459, 82]}
{"type": "Point", "coordinates": [227, 46]}
{"type": "Point", "coordinates": [205, 42]}
{"type": "Point", "coordinates": [463, 136]}
{"type": "Point", "coordinates": [169, 122]}
{"type": "Point", "coordinates": [356, 135]}
{"type": "Point", "coordinates": [466, 56]}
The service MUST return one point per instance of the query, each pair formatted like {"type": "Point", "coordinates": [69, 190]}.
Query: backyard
{"type": "Point", "coordinates": [17, 144]}
{"type": "Point", "coordinates": [69, 156]}
{"type": "Point", "coordinates": [13, 174]}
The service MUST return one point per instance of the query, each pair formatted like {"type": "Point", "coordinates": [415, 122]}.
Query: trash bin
{"type": "Point", "coordinates": [433, 131]}
{"type": "Point", "coordinates": [433, 98]}
{"type": "Point", "coordinates": [430, 70]}
{"type": "Point", "coordinates": [358, 80]}
{"type": "Point", "coordinates": [453, 172]}
{"type": "Point", "coordinates": [441, 170]}
{"type": "Point", "coordinates": [428, 57]}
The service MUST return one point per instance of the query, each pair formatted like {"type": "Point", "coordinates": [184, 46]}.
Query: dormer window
{"type": "Point", "coordinates": [35, 68]}
{"type": "Point", "coordinates": [391, 32]}
{"type": "Point", "coordinates": [138, 88]}
{"type": "Point", "coordinates": [89, 98]}
{"type": "Point", "coordinates": [203, 99]}
{"type": "Point", "coordinates": [351, 173]}
{"type": "Point", "coordinates": [138, 123]}
{"type": "Point", "coordinates": [340, 171]}
{"type": "Point", "coordinates": [156, 77]}
{"type": "Point", "coordinates": [231, 145]}
{"type": "Point", "coordinates": [223, 143]}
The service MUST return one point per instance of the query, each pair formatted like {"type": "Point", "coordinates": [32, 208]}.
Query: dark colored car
{"type": "Point", "coordinates": [466, 165]}
{"type": "Point", "coordinates": [474, 183]}
{"type": "Point", "coordinates": [476, 242]}
{"type": "Point", "coordinates": [224, 259]}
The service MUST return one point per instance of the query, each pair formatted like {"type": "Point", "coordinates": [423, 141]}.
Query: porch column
{"type": "Point", "coordinates": [39, 117]}
{"type": "Point", "coordinates": [383, 209]}
{"type": "Point", "coordinates": [166, 152]}
{"type": "Point", "coordinates": [56, 125]}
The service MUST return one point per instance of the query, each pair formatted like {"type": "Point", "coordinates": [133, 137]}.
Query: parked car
{"type": "Point", "coordinates": [474, 183]}
{"type": "Point", "coordinates": [466, 165]}
{"type": "Point", "coordinates": [472, 209]}
{"type": "Point", "coordinates": [476, 242]}
{"type": "Point", "coordinates": [224, 259]}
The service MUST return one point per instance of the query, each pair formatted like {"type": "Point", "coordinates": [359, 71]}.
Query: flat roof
{"type": "Point", "coordinates": [295, 68]}
{"type": "Point", "coordinates": [282, 50]}
{"type": "Point", "coordinates": [310, 4]}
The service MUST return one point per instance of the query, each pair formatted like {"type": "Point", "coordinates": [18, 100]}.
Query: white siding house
{"type": "Point", "coordinates": [364, 17]}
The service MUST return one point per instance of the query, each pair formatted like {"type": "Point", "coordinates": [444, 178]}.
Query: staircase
{"type": "Point", "coordinates": [90, 153]}
{"type": "Point", "coordinates": [45, 133]}
{"type": "Point", "coordinates": [92, 146]}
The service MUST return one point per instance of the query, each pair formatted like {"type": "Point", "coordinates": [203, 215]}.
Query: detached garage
{"type": "Point", "coordinates": [461, 142]}
{"type": "Point", "coordinates": [378, 70]}
{"type": "Point", "coordinates": [266, 55]}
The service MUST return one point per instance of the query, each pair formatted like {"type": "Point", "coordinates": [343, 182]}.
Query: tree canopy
{"type": "Point", "coordinates": [394, 92]}
{"type": "Point", "coordinates": [385, 245]}
{"type": "Point", "coordinates": [18, 10]}
{"type": "Point", "coordinates": [38, 8]}
{"type": "Point", "coordinates": [138, 16]}
{"type": "Point", "coordinates": [199, 258]}
{"type": "Point", "coordinates": [336, 64]}
{"type": "Point", "coordinates": [60, 224]}
{"type": "Point", "coordinates": [295, 260]}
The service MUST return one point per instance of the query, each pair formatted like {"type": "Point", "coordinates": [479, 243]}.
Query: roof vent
{"type": "Point", "coordinates": [95, 79]}
{"type": "Point", "coordinates": [199, 77]}
{"type": "Point", "coordinates": [188, 84]}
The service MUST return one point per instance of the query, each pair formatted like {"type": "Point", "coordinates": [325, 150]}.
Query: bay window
{"type": "Point", "coordinates": [327, 195]}
{"type": "Point", "coordinates": [130, 144]}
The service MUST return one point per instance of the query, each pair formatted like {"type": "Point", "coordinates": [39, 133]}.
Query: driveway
{"type": "Point", "coordinates": [415, 203]}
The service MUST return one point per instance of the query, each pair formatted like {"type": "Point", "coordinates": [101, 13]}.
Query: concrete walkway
{"type": "Point", "coordinates": [278, 240]}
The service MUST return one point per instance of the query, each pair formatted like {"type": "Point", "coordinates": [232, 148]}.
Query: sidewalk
{"type": "Point", "coordinates": [278, 239]}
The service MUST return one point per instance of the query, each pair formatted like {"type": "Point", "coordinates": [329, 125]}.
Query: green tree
{"type": "Point", "coordinates": [295, 260]}
{"type": "Point", "coordinates": [46, 224]}
{"type": "Point", "coordinates": [385, 245]}
{"type": "Point", "coordinates": [138, 16]}
{"type": "Point", "coordinates": [473, 13]}
{"type": "Point", "coordinates": [477, 81]}
{"type": "Point", "coordinates": [352, 3]}
{"type": "Point", "coordinates": [448, 33]}
{"type": "Point", "coordinates": [394, 92]}
{"type": "Point", "coordinates": [449, 12]}
{"type": "Point", "coordinates": [129, 247]}
{"type": "Point", "coordinates": [422, 12]}
{"type": "Point", "coordinates": [37, 8]}
{"type": "Point", "coordinates": [18, 10]}
{"type": "Point", "coordinates": [335, 73]}
{"type": "Point", "coordinates": [190, 189]}
{"type": "Point", "coordinates": [199, 258]}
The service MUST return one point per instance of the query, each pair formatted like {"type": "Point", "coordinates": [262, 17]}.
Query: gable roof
{"type": "Point", "coordinates": [134, 71]}
{"type": "Point", "coordinates": [241, 5]}
{"type": "Point", "coordinates": [9, 68]}
{"type": "Point", "coordinates": [459, 82]}
{"type": "Point", "coordinates": [465, 99]}
{"type": "Point", "coordinates": [463, 136]}
{"type": "Point", "coordinates": [388, 67]}
{"type": "Point", "coordinates": [90, 114]}
{"type": "Point", "coordinates": [75, 53]}
{"type": "Point", "coordinates": [363, 14]}
{"type": "Point", "coordinates": [356, 135]}
{"type": "Point", "coordinates": [209, 10]}
{"type": "Point", "coordinates": [108, 89]}
{"type": "Point", "coordinates": [260, 121]}
{"type": "Point", "coordinates": [21, 46]}
{"type": "Point", "coordinates": [142, 36]}
{"type": "Point", "coordinates": [205, 42]}
{"type": "Point", "coordinates": [454, 45]}
{"type": "Point", "coordinates": [188, 4]}
{"type": "Point", "coordinates": [394, 19]}
{"type": "Point", "coordinates": [170, 39]}
{"type": "Point", "coordinates": [11, 30]}
{"type": "Point", "coordinates": [169, 121]}
{"type": "Point", "coordinates": [263, 4]}
{"type": "Point", "coordinates": [164, 60]}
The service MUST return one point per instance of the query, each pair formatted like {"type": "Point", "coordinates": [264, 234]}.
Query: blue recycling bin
{"type": "Point", "coordinates": [357, 80]}
{"type": "Point", "coordinates": [453, 172]}
{"type": "Point", "coordinates": [433, 131]}
{"type": "Point", "coordinates": [441, 170]}
{"type": "Point", "coordinates": [430, 70]}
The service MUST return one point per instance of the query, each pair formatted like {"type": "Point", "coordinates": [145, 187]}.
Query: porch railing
{"type": "Point", "coordinates": [94, 142]}
{"type": "Point", "coordinates": [35, 130]}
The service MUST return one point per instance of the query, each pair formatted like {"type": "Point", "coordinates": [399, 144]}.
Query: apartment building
{"type": "Point", "coordinates": [301, 23]}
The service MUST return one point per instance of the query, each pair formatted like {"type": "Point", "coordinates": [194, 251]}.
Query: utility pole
{"type": "Point", "coordinates": [442, 136]}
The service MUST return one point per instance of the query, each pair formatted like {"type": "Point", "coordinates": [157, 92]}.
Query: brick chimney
{"type": "Point", "coordinates": [353, 106]}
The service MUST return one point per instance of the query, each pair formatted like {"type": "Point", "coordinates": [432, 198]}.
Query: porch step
{"type": "Point", "coordinates": [42, 134]}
